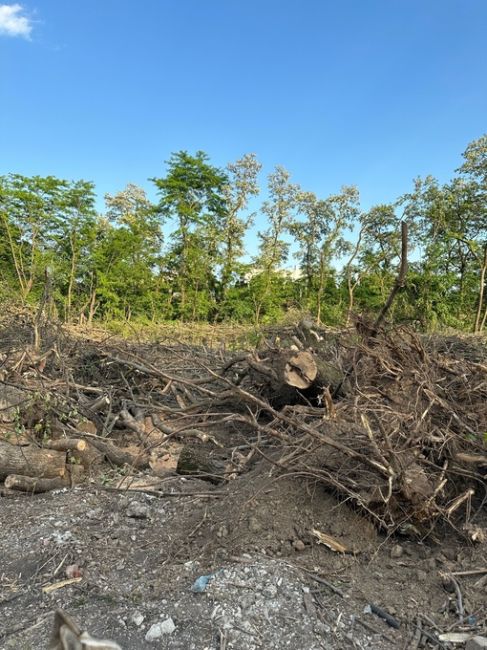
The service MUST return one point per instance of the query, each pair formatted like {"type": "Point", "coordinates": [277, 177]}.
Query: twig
{"type": "Point", "coordinates": [459, 598]}
{"type": "Point", "coordinates": [330, 586]}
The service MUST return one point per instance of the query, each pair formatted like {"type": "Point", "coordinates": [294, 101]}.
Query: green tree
{"type": "Point", "coordinates": [127, 254]}
{"type": "Point", "coordinates": [72, 236]}
{"type": "Point", "coordinates": [242, 185]}
{"type": "Point", "coordinates": [267, 282]}
{"type": "Point", "coordinates": [321, 238]}
{"type": "Point", "coordinates": [29, 211]}
{"type": "Point", "coordinates": [193, 194]}
{"type": "Point", "coordinates": [475, 170]}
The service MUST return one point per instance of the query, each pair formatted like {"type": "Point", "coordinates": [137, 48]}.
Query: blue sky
{"type": "Point", "coordinates": [365, 92]}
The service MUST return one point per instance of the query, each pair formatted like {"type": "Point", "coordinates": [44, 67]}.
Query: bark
{"type": "Point", "coordinates": [31, 461]}
{"type": "Point", "coordinates": [479, 322]}
{"type": "Point", "coordinates": [117, 455]}
{"type": "Point", "coordinates": [66, 444]}
{"type": "Point", "coordinates": [73, 476]}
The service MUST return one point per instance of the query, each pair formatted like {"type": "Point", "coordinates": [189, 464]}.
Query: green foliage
{"type": "Point", "coordinates": [118, 267]}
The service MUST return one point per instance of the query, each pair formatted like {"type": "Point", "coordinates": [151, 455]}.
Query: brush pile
{"type": "Point", "coordinates": [395, 423]}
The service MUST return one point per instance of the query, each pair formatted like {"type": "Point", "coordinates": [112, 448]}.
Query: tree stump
{"type": "Point", "coordinates": [286, 376]}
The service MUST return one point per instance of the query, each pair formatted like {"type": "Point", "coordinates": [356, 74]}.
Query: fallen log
{"type": "Point", "coordinates": [66, 444]}
{"type": "Point", "coordinates": [116, 455]}
{"type": "Point", "coordinates": [30, 460]}
{"type": "Point", "coordinates": [73, 476]}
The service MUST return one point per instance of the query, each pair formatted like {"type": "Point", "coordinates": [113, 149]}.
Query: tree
{"type": "Point", "coordinates": [451, 222]}
{"type": "Point", "coordinates": [266, 284]}
{"type": "Point", "coordinates": [241, 187]}
{"type": "Point", "coordinates": [321, 236]}
{"type": "Point", "coordinates": [475, 170]}
{"type": "Point", "coordinates": [127, 253]}
{"type": "Point", "coordinates": [193, 194]}
{"type": "Point", "coordinates": [73, 236]}
{"type": "Point", "coordinates": [29, 210]}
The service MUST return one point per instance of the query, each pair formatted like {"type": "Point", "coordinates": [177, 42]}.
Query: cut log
{"type": "Point", "coordinates": [117, 455]}
{"type": "Point", "coordinates": [288, 376]}
{"type": "Point", "coordinates": [66, 444]}
{"type": "Point", "coordinates": [201, 461]}
{"type": "Point", "coordinates": [72, 477]}
{"type": "Point", "coordinates": [31, 461]}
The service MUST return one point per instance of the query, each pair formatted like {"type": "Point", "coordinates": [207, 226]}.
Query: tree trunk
{"type": "Point", "coordinates": [31, 461]}
{"type": "Point", "coordinates": [479, 322]}
{"type": "Point", "coordinates": [73, 476]}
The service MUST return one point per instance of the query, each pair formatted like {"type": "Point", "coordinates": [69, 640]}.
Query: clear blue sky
{"type": "Point", "coordinates": [365, 92]}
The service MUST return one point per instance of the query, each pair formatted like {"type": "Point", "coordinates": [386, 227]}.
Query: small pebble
{"type": "Point", "coordinates": [254, 525]}
{"type": "Point", "coordinates": [421, 575]}
{"type": "Point", "coordinates": [397, 551]}
{"type": "Point", "coordinates": [158, 629]}
{"type": "Point", "coordinates": [136, 510]}
{"type": "Point", "coordinates": [299, 545]}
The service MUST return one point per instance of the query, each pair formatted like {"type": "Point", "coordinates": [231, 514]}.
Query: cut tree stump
{"type": "Point", "coordinates": [31, 461]}
{"type": "Point", "coordinates": [288, 376]}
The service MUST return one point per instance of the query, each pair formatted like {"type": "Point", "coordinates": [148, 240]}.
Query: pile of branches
{"type": "Point", "coordinates": [392, 422]}
{"type": "Point", "coordinates": [402, 435]}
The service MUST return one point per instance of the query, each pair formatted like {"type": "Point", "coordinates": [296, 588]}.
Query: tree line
{"type": "Point", "coordinates": [182, 257]}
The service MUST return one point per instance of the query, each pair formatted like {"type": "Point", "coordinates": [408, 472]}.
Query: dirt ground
{"type": "Point", "coordinates": [273, 585]}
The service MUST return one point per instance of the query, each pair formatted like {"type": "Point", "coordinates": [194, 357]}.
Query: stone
{"type": "Point", "coordinates": [477, 643]}
{"type": "Point", "coordinates": [222, 531]}
{"type": "Point", "coordinates": [421, 575]}
{"type": "Point", "coordinates": [158, 629]}
{"type": "Point", "coordinates": [254, 525]}
{"type": "Point", "coordinates": [136, 510]}
{"type": "Point", "coordinates": [299, 545]}
{"type": "Point", "coordinates": [397, 551]}
{"type": "Point", "coordinates": [137, 619]}
{"type": "Point", "coordinates": [270, 591]}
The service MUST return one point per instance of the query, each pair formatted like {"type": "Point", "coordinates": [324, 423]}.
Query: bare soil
{"type": "Point", "coordinates": [256, 535]}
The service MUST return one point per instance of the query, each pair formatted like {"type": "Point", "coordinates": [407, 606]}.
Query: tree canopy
{"type": "Point", "coordinates": [184, 257]}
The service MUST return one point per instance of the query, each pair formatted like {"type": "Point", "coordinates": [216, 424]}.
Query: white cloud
{"type": "Point", "coordinates": [13, 23]}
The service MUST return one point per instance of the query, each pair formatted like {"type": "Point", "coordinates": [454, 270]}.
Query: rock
{"type": "Point", "coordinates": [137, 619]}
{"type": "Point", "coordinates": [168, 626]}
{"type": "Point", "coordinates": [477, 643]}
{"type": "Point", "coordinates": [158, 629]}
{"type": "Point", "coordinates": [422, 575]}
{"type": "Point", "coordinates": [270, 591]}
{"type": "Point", "coordinates": [136, 510]}
{"type": "Point", "coordinates": [254, 525]}
{"type": "Point", "coordinates": [222, 531]}
{"type": "Point", "coordinates": [299, 545]}
{"type": "Point", "coordinates": [397, 551]}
